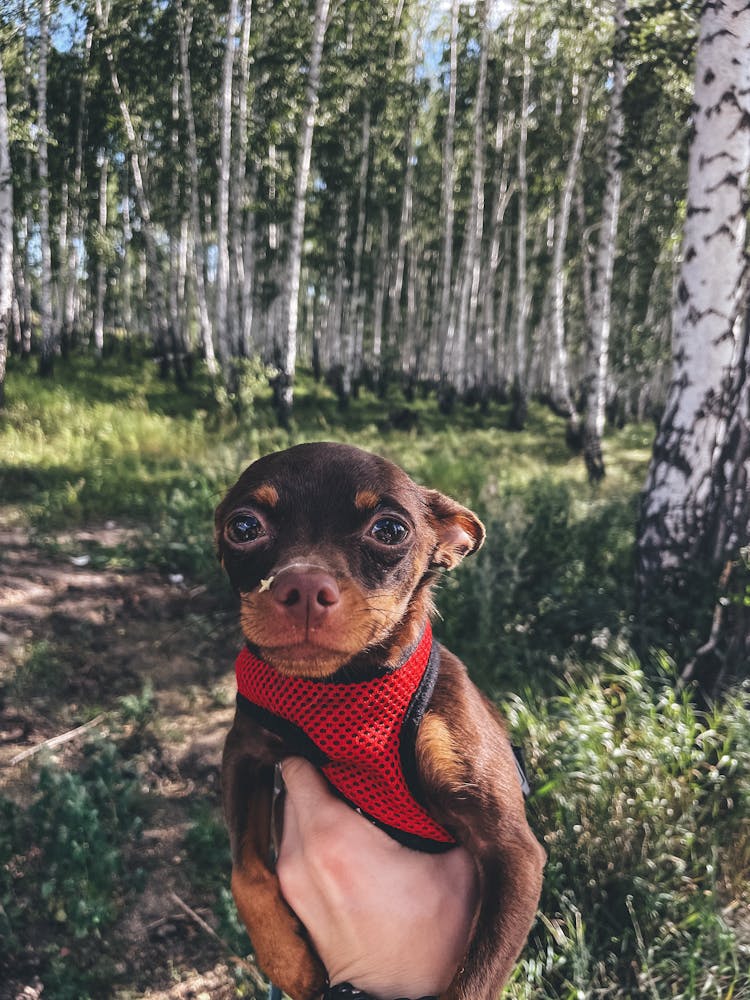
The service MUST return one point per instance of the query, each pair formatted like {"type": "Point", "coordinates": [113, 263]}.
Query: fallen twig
{"type": "Point", "coordinates": [242, 962]}
{"type": "Point", "coordinates": [56, 741]}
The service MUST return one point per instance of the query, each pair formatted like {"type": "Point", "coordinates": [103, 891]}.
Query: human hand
{"type": "Point", "coordinates": [392, 921]}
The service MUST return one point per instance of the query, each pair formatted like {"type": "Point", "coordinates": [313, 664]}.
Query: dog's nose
{"type": "Point", "coordinates": [307, 597]}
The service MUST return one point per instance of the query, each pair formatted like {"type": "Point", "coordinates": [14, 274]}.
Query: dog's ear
{"type": "Point", "coordinates": [459, 531]}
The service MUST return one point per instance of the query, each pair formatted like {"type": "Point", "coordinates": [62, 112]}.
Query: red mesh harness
{"type": "Point", "coordinates": [361, 734]}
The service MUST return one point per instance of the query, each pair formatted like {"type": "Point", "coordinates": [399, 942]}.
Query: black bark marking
{"type": "Point", "coordinates": [742, 124]}
{"type": "Point", "coordinates": [697, 210]}
{"type": "Point", "coordinates": [723, 230]}
{"type": "Point", "coordinates": [728, 180]}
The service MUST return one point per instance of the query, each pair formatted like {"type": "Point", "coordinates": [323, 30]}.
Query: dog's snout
{"type": "Point", "coordinates": [307, 597]}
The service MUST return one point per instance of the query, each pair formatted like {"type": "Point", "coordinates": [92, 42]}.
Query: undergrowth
{"type": "Point", "coordinates": [642, 801]}
{"type": "Point", "coordinates": [66, 871]}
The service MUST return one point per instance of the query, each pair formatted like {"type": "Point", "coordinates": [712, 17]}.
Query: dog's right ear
{"type": "Point", "coordinates": [459, 530]}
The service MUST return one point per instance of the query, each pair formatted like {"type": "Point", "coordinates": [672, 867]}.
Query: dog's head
{"type": "Point", "coordinates": [332, 551]}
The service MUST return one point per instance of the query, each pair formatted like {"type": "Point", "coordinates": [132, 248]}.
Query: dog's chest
{"type": "Point", "coordinates": [361, 734]}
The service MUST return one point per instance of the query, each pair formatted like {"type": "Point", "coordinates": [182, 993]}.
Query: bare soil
{"type": "Point", "coordinates": [74, 640]}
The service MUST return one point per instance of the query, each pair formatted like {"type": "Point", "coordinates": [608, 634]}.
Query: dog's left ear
{"type": "Point", "coordinates": [459, 530]}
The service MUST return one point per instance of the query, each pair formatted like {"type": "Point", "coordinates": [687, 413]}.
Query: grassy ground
{"type": "Point", "coordinates": [113, 613]}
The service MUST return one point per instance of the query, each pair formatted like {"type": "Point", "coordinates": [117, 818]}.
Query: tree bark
{"type": "Point", "coordinates": [561, 394]}
{"type": "Point", "coordinates": [101, 263]}
{"type": "Point", "coordinates": [184, 25]}
{"type": "Point", "coordinates": [395, 292]}
{"type": "Point", "coordinates": [70, 262]}
{"type": "Point", "coordinates": [695, 511]}
{"type": "Point", "coordinates": [154, 276]}
{"type": "Point", "coordinates": [355, 333]}
{"type": "Point", "coordinates": [485, 363]}
{"type": "Point", "coordinates": [378, 304]}
{"type": "Point", "coordinates": [447, 203]}
{"type": "Point", "coordinates": [598, 348]}
{"type": "Point", "coordinates": [285, 390]}
{"type": "Point", "coordinates": [223, 336]}
{"type": "Point", "coordinates": [243, 209]}
{"type": "Point", "coordinates": [6, 232]}
{"type": "Point", "coordinates": [467, 291]}
{"type": "Point", "coordinates": [520, 390]}
{"type": "Point", "coordinates": [49, 344]}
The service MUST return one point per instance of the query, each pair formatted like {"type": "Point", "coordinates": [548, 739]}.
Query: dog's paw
{"type": "Point", "coordinates": [294, 968]}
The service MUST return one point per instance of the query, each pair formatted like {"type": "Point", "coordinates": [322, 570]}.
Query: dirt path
{"type": "Point", "coordinates": [73, 641]}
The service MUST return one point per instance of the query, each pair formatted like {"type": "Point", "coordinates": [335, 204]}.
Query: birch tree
{"type": "Point", "coordinates": [601, 316]}
{"type": "Point", "coordinates": [49, 344]}
{"type": "Point", "coordinates": [184, 26]}
{"type": "Point", "coordinates": [695, 513]}
{"type": "Point", "coordinates": [154, 274]}
{"type": "Point", "coordinates": [468, 291]}
{"type": "Point", "coordinates": [6, 231]}
{"type": "Point", "coordinates": [101, 264]}
{"type": "Point", "coordinates": [447, 207]}
{"type": "Point", "coordinates": [561, 392]}
{"type": "Point", "coordinates": [223, 338]}
{"type": "Point", "coordinates": [285, 387]}
{"type": "Point", "coordinates": [519, 408]}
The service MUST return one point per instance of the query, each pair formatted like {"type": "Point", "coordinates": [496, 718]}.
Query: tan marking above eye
{"type": "Point", "coordinates": [366, 500]}
{"type": "Point", "coordinates": [266, 494]}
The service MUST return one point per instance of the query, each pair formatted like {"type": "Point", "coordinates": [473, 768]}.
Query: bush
{"type": "Point", "coordinates": [553, 580]}
{"type": "Point", "coordinates": [643, 803]}
{"type": "Point", "coordinates": [63, 869]}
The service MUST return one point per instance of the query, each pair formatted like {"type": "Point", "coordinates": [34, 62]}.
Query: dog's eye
{"type": "Point", "coordinates": [244, 528]}
{"type": "Point", "coordinates": [389, 531]}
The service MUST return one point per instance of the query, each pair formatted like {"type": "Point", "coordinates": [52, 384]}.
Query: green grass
{"type": "Point", "coordinates": [105, 441]}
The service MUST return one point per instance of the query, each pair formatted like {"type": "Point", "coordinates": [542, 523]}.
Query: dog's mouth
{"type": "Point", "coordinates": [305, 658]}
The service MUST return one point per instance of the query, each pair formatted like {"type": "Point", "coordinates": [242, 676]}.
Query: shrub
{"type": "Point", "coordinates": [64, 872]}
{"type": "Point", "coordinates": [641, 799]}
{"type": "Point", "coordinates": [553, 580]}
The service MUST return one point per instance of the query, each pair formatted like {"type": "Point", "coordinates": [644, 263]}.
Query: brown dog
{"type": "Point", "coordinates": [333, 552]}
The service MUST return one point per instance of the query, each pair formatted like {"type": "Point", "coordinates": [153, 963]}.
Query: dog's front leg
{"type": "Point", "coordinates": [470, 776]}
{"type": "Point", "coordinates": [510, 886]}
{"type": "Point", "coordinates": [279, 940]}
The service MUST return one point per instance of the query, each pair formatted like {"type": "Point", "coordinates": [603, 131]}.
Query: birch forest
{"type": "Point", "coordinates": [483, 200]}
{"type": "Point", "coordinates": [503, 243]}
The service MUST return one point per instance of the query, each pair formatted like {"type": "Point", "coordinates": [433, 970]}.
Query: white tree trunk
{"type": "Point", "coordinates": [695, 506]}
{"type": "Point", "coordinates": [447, 204]}
{"type": "Point", "coordinates": [127, 268]}
{"type": "Point", "coordinates": [378, 303]}
{"type": "Point", "coordinates": [223, 337]}
{"type": "Point", "coordinates": [520, 359]}
{"type": "Point", "coordinates": [355, 333]}
{"type": "Point", "coordinates": [405, 236]}
{"type": "Point", "coordinates": [6, 232]}
{"type": "Point", "coordinates": [71, 260]}
{"type": "Point", "coordinates": [598, 347]}
{"type": "Point", "coordinates": [101, 264]}
{"type": "Point", "coordinates": [242, 208]}
{"type": "Point", "coordinates": [468, 288]}
{"type": "Point", "coordinates": [248, 270]}
{"type": "Point", "coordinates": [49, 345]}
{"type": "Point", "coordinates": [154, 274]}
{"type": "Point", "coordinates": [297, 228]}
{"type": "Point", "coordinates": [561, 393]}
{"type": "Point", "coordinates": [184, 25]}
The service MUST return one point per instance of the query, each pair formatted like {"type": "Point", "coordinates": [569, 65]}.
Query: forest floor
{"type": "Point", "coordinates": [74, 639]}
